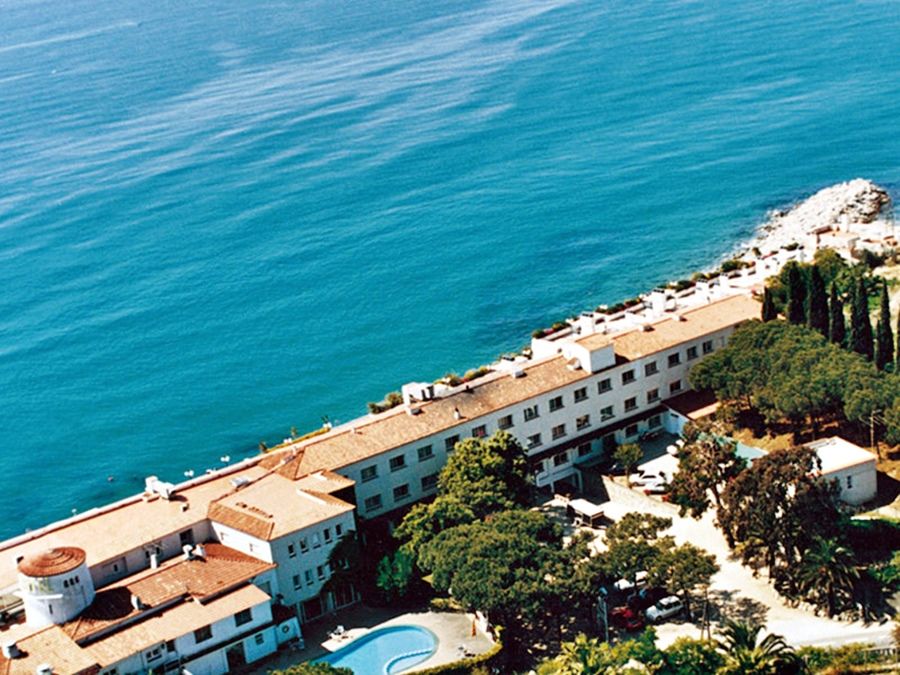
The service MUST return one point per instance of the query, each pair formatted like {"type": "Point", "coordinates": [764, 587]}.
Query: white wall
{"type": "Point", "coordinates": [863, 482]}
{"type": "Point", "coordinates": [243, 542]}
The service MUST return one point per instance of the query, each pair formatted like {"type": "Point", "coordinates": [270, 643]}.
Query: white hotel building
{"type": "Point", "coordinates": [220, 571]}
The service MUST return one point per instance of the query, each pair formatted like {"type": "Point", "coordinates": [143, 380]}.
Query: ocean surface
{"type": "Point", "coordinates": [219, 220]}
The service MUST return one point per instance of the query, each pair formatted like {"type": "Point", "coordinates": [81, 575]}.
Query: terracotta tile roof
{"type": "Point", "coordinates": [124, 526]}
{"type": "Point", "coordinates": [220, 569]}
{"type": "Point", "coordinates": [670, 332]}
{"type": "Point", "coordinates": [275, 506]}
{"type": "Point", "coordinates": [52, 646]}
{"type": "Point", "coordinates": [328, 482]}
{"type": "Point", "coordinates": [178, 620]}
{"type": "Point", "coordinates": [52, 562]}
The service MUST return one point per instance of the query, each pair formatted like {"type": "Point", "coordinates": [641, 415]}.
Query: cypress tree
{"type": "Point", "coordinates": [884, 336]}
{"type": "Point", "coordinates": [796, 306]}
{"type": "Point", "coordinates": [897, 350]}
{"type": "Point", "coordinates": [860, 325]}
{"type": "Point", "coordinates": [768, 306]}
{"type": "Point", "coordinates": [817, 316]}
{"type": "Point", "coordinates": [837, 329]}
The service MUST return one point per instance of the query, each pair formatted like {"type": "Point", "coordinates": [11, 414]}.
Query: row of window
{"type": "Point", "coordinates": [401, 492]}
{"type": "Point", "coordinates": [321, 572]}
{"type": "Point", "coordinates": [205, 633]}
{"type": "Point", "coordinates": [304, 542]}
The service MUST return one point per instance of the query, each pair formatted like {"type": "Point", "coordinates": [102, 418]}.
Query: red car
{"type": "Point", "coordinates": [627, 618]}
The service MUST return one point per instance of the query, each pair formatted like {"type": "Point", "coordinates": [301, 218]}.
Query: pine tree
{"type": "Point", "coordinates": [884, 336]}
{"type": "Point", "coordinates": [837, 328]}
{"type": "Point", "coordinates": [768, 307]}
{"type": "Point", "coordinates": [796, 306]}
{"type": "Point", "coordinates": [817, 316]}
{"type": "Point", "coordinates": [860, 325]}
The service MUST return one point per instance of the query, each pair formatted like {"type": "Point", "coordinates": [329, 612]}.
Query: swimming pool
{"type": "Point", "coordinates": [385, 651]}
{"type": "Point", "coordinates": [748, 452]}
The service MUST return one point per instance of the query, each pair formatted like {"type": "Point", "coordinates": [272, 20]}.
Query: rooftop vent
{"type": "Point", "coordinates": [136, 602]}
{"type": "Point", "coordinates": [44, 669]}
{"type": "Point", "coordinates": [11, 650]}
{"type": "Point", "coordinates": [516, 373]}
{"type": "Point", "coordinates": [239, 481]}
{"type": "Point", "coordinates": [188, 552]}
{"type": "Point", "coordinates": [154, 485]}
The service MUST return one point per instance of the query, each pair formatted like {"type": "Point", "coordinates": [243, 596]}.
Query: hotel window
{"type": "Point", "coordinates": [327, 534]}
{"type": "Point", "coordinates": [675, 386]}
{"type": "Point", "coordinates": [560, 458]}
{"type": "Point", "coordinates": [692, 353]}
{"type": "Point", "coordinates": [304, 545]}
{"type": "Point", "coordinates": [631, 430]}
{"type": "Point", "coordinates": [556, 403]}
{"type": "Point", "coordinates": [372, 503]}
{"type": "Point", "coordinates": [674, 360]}
{"type": "Point", "coordinates": [338, 530]}
{"type": "Point", "coordinates": [628, 377]}
{"type": "Point", "coordinates": [316, 542]}
{"type": "Point", "coordinates": [429, 482]}
{"type": "Point", "coordinates": [242, 617]}
{"type": "Point", "coordinates": [651, 368]}
{"type": "Point", "coordinates": [292, 552]}
{"type": "Point", "coordinates": [450, 443]}
{"type": "Point", "coordinates": [401, 492]}
{"type": "Point", "coordinates": [654, 421]}
{"type": "Point", "coordinates": [202, 634]}
{"type": "Point", "coordinates": [186, 538]}
{"type": "Point", "coordinates": [534, 441]}
{"type": "Point", "coordinates": [297, 583]}
{"type": "Point", "coordinates": [425, 452]}
{"type": "Point", "coordinates": [170, 647]}
{"type": "Point", "coordinates": [154, 654]}
{"type": "Point", "coordinates": [538, 468]}
{"type": "Point", "coordinates": [581, 395]}
{"type": "Point", "coordinates": [259, 638]}
{"type": "Point", "coordinates": [479, 432]}
{"type": "Point", "coordinates": [584, 449]}
{"type": "Point", "coordinates": [320, 572]}
{"type": "Point", "coordinates": [558, 431]}
{"type": "Point", "coordinates": [369, 473]}
{"type": "Point", "coordinates": [606, 413]}
{"type": "Point", "coordinates": [307, 574]}
{"type": "Point", "coordinates": [849, 482]}
{"type": "Point", "coordinates": [630, 404]}
{"type": "Point", "coordinates": [531, 412]}
{"type": "Point", "coordinates": [604, 385]}
{"type": "Point", "coordinates": [582, 422]}
{"type": "Point", "coordinates": [707, 347]}
{"type": "Point", "coordinates": [505, 422]}
{"type": "Point", "coordinates": [652, 395]}
{"type": "Point", "coordinates": [398, 462]}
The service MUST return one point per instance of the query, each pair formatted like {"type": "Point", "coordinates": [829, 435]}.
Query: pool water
{"type": "Point", "coordinates": [748, 452]}
{"type": "Point", "coordinates": [385, 651]}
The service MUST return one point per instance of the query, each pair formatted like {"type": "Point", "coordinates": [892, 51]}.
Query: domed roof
{"type": "Point", "coordinates": [52, 562]}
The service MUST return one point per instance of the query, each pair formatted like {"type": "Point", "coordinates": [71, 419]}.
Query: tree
{"type": "Point", "coordinates": [884, 336]}
{"type": "Point", "coordinates": [706, 463]}
{"type": "Point", "coordinates": [769, 313]}
{"type": "Point", "coordinates": [634, 544]}
{"type": "Point", "coordinates": [745, 654]}
{"type": "Point", "coordinates": [688, 656]}
{"type": "Point", "coordinates": [628, 455]}
{"type": "Point", "coordinates": [817, 314]}
{"type": "Point", "coordinates": [860, 324]}
{"type": "Point", "coordinates": [592, 656]}
{"type": "Point", "coordinates": [682, 569]}
{"type": "Point", "coordinates": [828, 573]}
{"type": "Point", "coordinates": [396, 575]}
{"type": "Point", "coordinates": [796, 307]}
{"type": "Point", "coordinates": [837, 327]}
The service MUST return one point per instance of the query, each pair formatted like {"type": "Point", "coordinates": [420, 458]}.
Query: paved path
{"type": "Point", "coordinates": [734, 588]}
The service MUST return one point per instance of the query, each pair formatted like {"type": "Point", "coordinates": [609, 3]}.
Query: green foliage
{"type": "Point", "coordinates": [634, 544]}
{"type": "Point", "coordinates": [688, 656]}
{"type": "Point", "coordinates": [826, 658]}
{"type": "Point", "coordinates": [827, 574]}
{"type": "Point", "coordinates": [769, 313]}
{"type": "Point", "coordinates": [628, 455]}
{"type": "Point", "coordinates": [837, 326]}
{"type": "Point", "coordinates": [745, 654]}
{"type": "Point", "coordinates": [396, 575]}
{"type": "Point", "coordinates": [860, 339]}
{"type": "Point", "coordinates": [475, 665]}
{"type": "Point", "coordinates": [884, 336]}
{"type": "Point", "coordinates": [391, 400]}
{"type": "Point", "coordinates": [817, 314]}
{"type": "Point", "coordinates": [312, 669]}
{"type": "Point", "coordinates": [683, 569]}
{"type": "Point", "coordinates": [591, 656]}
{"type": "Point", "coordinates": [796, 294]}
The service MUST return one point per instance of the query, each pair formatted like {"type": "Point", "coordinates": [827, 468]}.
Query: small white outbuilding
{"type": "Point", "coordinates": [852, 466]}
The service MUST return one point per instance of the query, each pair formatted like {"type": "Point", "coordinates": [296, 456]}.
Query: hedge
{"type": "Point", "coordinates": [487, 660]}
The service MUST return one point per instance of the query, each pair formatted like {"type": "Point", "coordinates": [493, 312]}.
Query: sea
{"type": "Point", "coordinates": [221, 220]}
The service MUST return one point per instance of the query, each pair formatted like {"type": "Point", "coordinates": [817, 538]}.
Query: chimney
{"type": "Point", "coordinates": [11, 650]}
{"type": "Point", "coordinates": [199, 551]}
{"type": "Point", "coordinates": [154, 560]}
{"type": "Point", "coordinates": [585, 323]}
{"type": "Point", "coordinates": [188, 551]}
{"type": "Point", "coordinates": [136, 602]}
{"type": "Point", "coordinates": [44, 669]}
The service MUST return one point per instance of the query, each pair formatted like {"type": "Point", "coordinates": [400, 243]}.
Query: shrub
{"type": "Point", "coordinates": [475, 373]}
{"type": "Point", "coordinates": [391, 400]}
{"type": "Point", "coordinates": [476, 664]}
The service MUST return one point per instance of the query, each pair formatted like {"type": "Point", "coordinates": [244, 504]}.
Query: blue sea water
{"type": "Point", "coordinates": [222, 219]}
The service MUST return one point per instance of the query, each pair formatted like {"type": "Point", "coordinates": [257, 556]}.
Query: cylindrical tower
{"type": "Point", "coordinates": [55, 585]}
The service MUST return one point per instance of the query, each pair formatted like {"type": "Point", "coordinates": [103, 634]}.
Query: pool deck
{"type": "Point", "coordinates": [453, 630]}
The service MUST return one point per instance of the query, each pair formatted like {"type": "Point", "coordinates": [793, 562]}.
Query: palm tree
{"type": "Point", "coordinates": [582, 656]}
{"type": "Point", "coordinates": [828, 573]}
{"type": "Point", "coordinates": [746, 654]}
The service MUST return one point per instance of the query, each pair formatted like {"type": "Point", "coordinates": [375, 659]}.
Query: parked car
{"type": "Point", "coordinates": [665, 609]}
{"type": "Point", "coordinates": [657, 487]}
{"type": "Point", "coordinates": [643, 598]}
{"type": "Point", "coordinates": [627, 618]}
{"type": "Point", "coordinates": [640, 579]}
{"type": "Point", "coordinates": [644, 478]}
